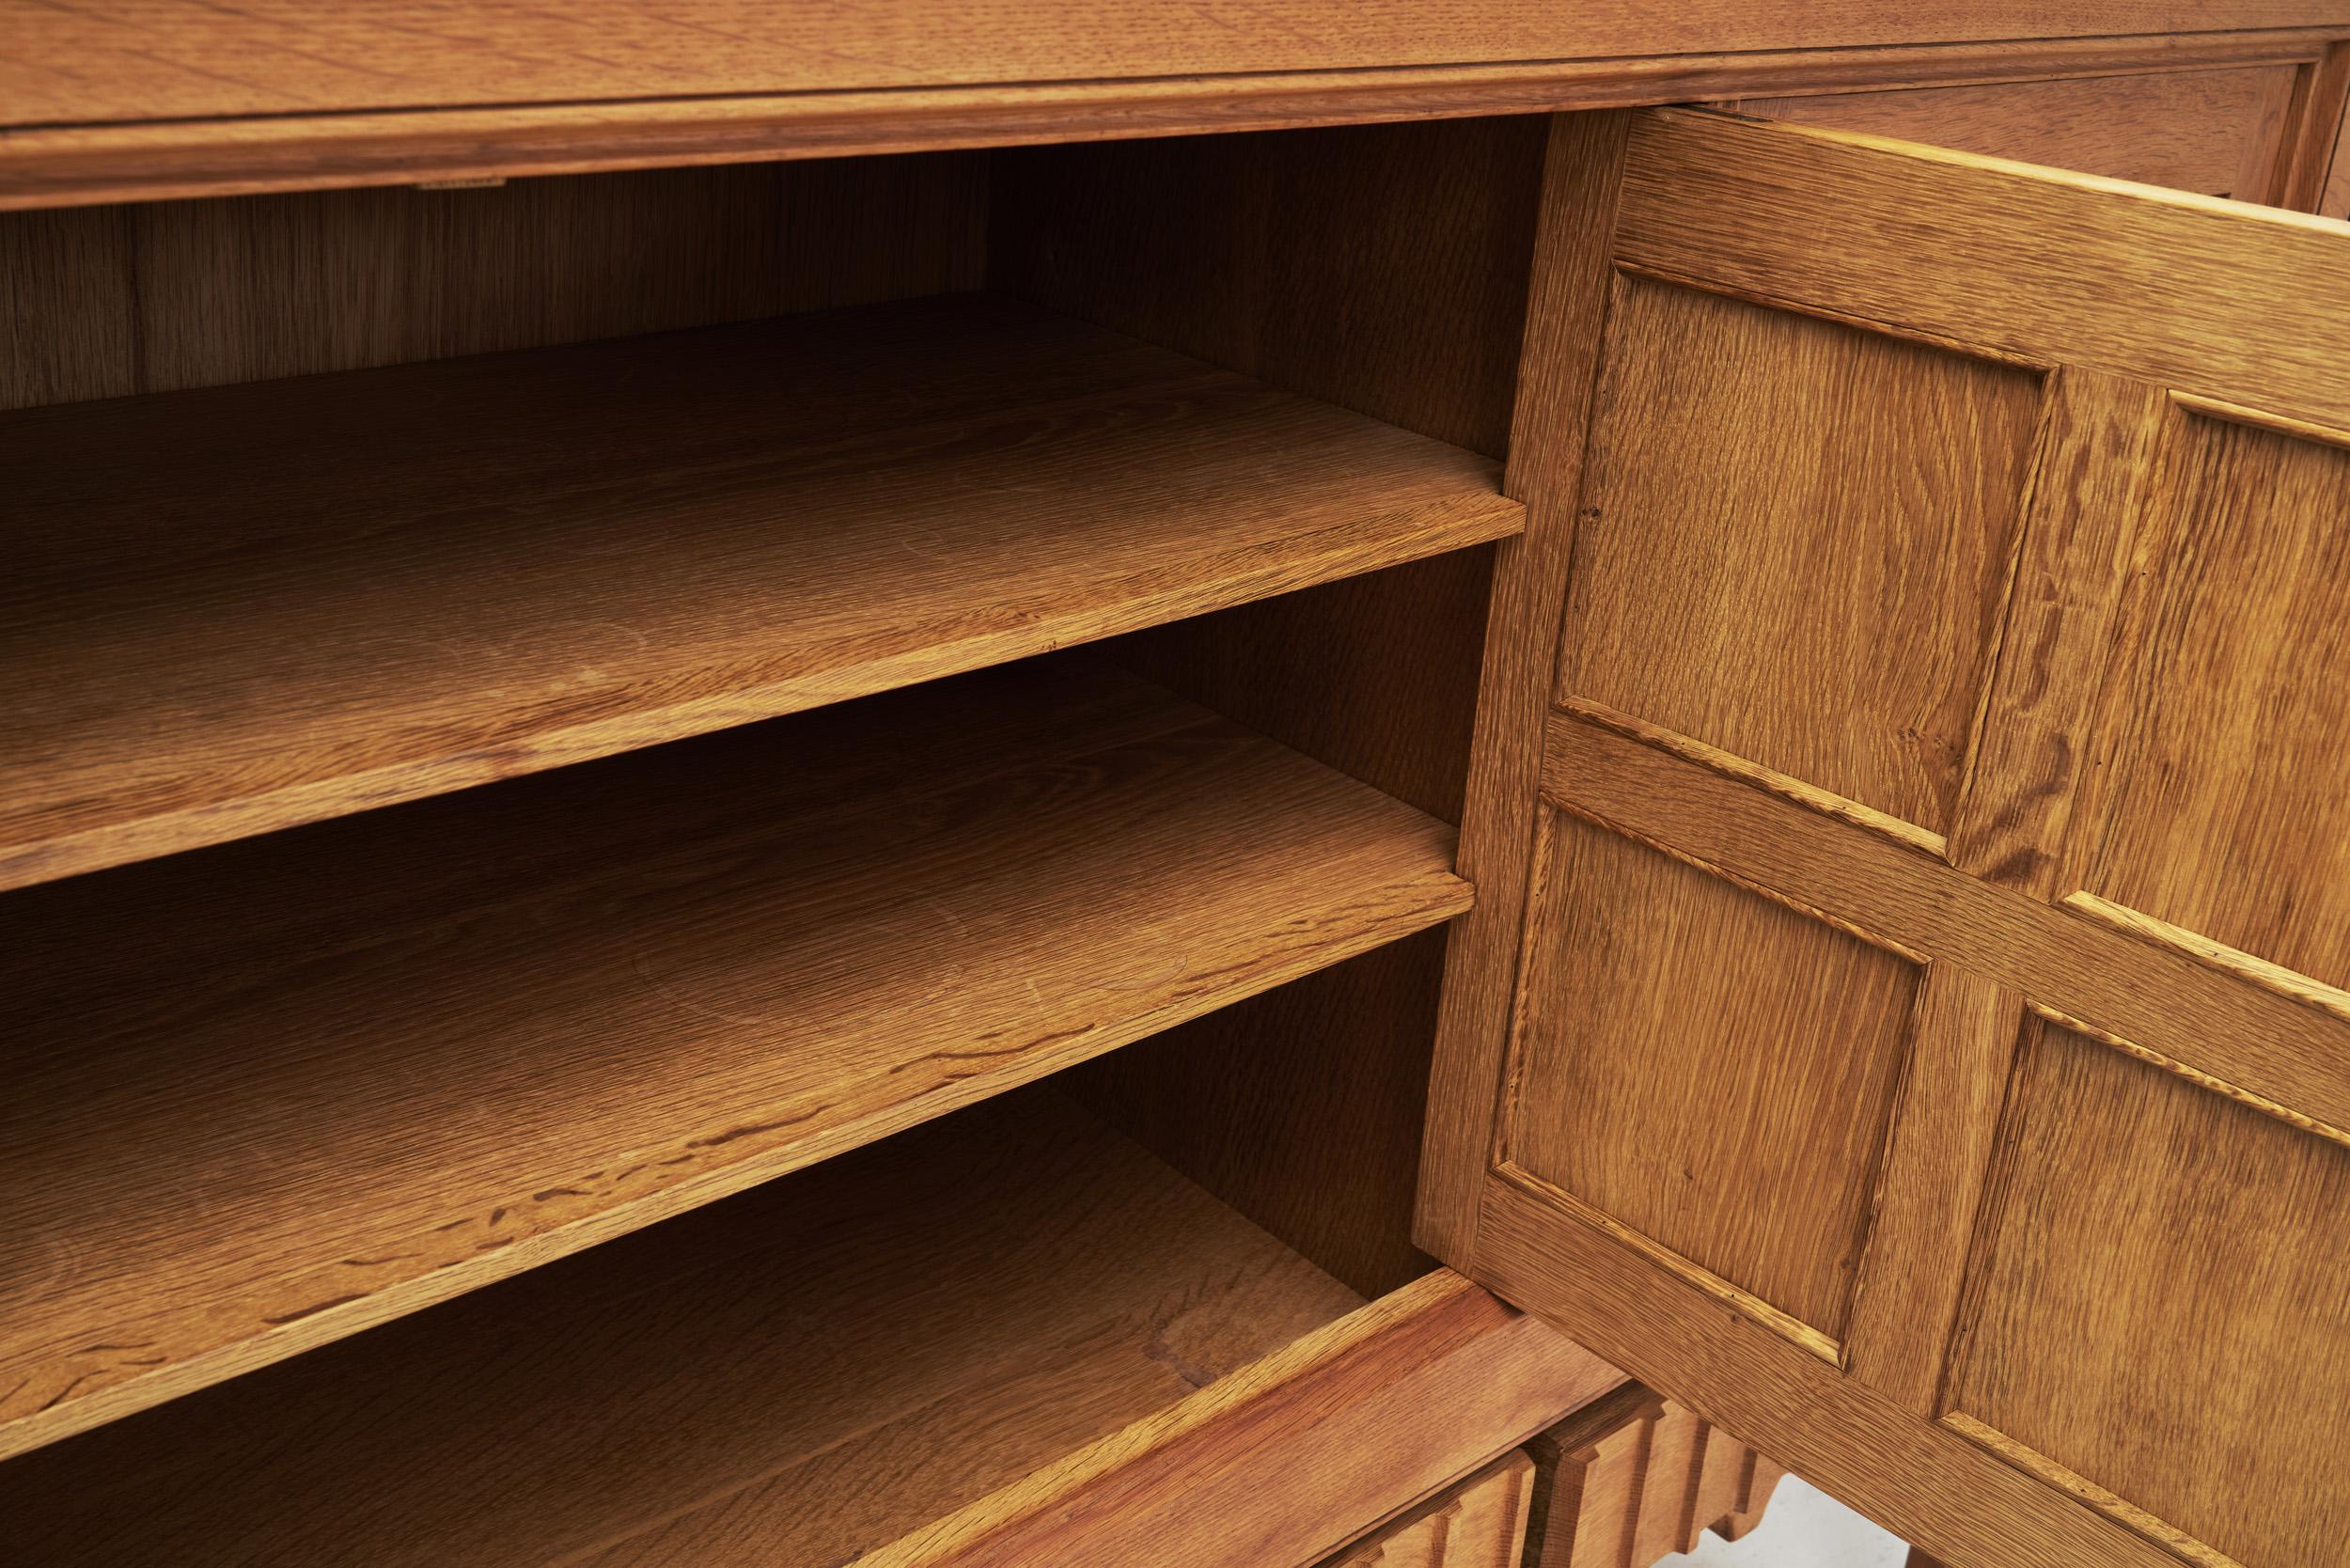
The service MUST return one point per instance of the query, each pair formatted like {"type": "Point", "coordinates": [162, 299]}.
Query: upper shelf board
{"type": "Point", "coordinates": [229, 611]}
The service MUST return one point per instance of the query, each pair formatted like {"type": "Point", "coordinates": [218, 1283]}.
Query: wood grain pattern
{"type": "Point", "coordinates": [390, 584]}
{"type": "Point", "coordinates": [2322, 114]}
{"type": "Point", "coordinates": [2221, 1431]}
{"type": "Point", "coordinates": [1478, 1524]}
{"type": "Point", "coordinates": [2255, 1040]}
{"type": "Point", "coordinates": [1566, 310]}
{"type": "Point", "coordinates": [158, 59]}
{"type": "Point", "coordinates": [67, 267]}
{"type": "Point", "coordinates": [2222, 133]}
{"type": "Point", "coordinates": [1668, 1513]}
{"type": "Point", "coordinates": [1944, 1128]}
{"type": "Point", "coordinates": [2181, 290]}
{"type": "Point", "coordinates": [1978, 1511]}
{"type": "Point", "coordinates": [1382, 269]}
{"type": "Point", "coordinates": [2023, 943]}
{"type": "Point", "coordinates": [2233, 962]}
{"type": "Point", "coordinates": [616, 993]}
{"type": "Point", "coordinates": [1761, 1485]}
{"type": "Point", "coordinates": [1396, 1400]}
{"type": "Point", "coordinates": [801, 1374]}
{"type": "Point", "coordinates": [2335, 202]}
{"type": "Point", "coordinates": [1713, 759]}
{"type": "Point", "coordinates": [1819, 592]}
{"type": "Point", "coordinates": [1633, 1478]}
{"type": "Point", "coordinates": [1588, 1482]}
{"type": "Point", "coordinates": [2146, 528]}
{"type": "Point", "coordinates": [1725, 1470]}
{"type": "Point", "coordinates": [160, 296]}
{"type": "Point", "coordinates": [1374, 675]}
{"type": "Point", "coordinates": [1641, 1085]}
{"type": "Point", "coordinates": [56, 165]}
{"type": "Point", "coordinates": [1735, 1491]}
{"type": "Point", "coordinates": [2228, 808]}
{"type": "Point", "coordinates": [2082, 534]}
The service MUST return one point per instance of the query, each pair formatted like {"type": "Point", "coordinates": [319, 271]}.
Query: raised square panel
{"type": "Point", "coordinates": [1796, 541]}
{"type": "Point", "coordinates": [2230, 732]}
{"type": "Point", "coordinates": [2160, 1305]}
{"type": "Point", "coordinates": [1706, 1067]}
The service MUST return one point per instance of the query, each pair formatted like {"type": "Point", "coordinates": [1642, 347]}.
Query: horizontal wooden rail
{"type": "Point", "coordinates": [70, 162]}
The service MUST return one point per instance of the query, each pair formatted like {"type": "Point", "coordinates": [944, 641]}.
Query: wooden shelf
{"type": "Point", "coordinates": [802, 1374]}
{"type": "Point", "coordinates": [269, 1094]}
{"type": "Point", "coordinates": [237, 609]}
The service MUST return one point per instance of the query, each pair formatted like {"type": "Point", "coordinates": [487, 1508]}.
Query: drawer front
{"type": "Point", "coordinates": [1478, 1524]}
{"type": "Point", "coordinates": [2216, 133]}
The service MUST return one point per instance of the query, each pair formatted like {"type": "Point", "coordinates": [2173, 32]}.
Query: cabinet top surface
{"type": "Point", "coordinates": [173, 98]}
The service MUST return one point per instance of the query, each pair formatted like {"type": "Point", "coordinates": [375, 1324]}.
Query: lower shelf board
{"type": "Point", "coordinates": [799, 1375]}
{"type": "Point", "coordinates": [266, 1095]}
{"type": "Point", "coordinates": [1008, 1338]}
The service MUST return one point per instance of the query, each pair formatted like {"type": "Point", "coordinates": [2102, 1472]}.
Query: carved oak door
{"type": "Point", "coordinates": [1921, 1045]}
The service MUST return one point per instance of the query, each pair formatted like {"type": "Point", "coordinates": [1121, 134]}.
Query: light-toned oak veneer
{"type": "Point", "coordinates": [1928, 1049]}
{"type": "Point", "coordinates": [612, 993]}
{"type": "Point", "coordinates": [308, 598]}
{"type": "Point", "coordinates": [822, 1369]}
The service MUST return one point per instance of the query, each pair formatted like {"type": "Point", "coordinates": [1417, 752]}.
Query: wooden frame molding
{"type": "Point", "coordinates": [2321, 96]}
{"type": "Point", "coordinates": [75, 160]}
{"type": "Point", "coordinates": [1750, 1376]}
{"type": "Point", "coordinates": [2266, 1042]}
{"type": "Point", "coordinates": [181, 60]}
{"type": "Point", "coordinates": [1565, 316]}
{"type": "Point", "coordinates": [2282, 351]}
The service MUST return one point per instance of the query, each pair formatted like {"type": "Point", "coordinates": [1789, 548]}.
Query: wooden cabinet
{"type": "Point", "coordinates": [780, 864]}
{"type": "Point", "coordinates": [1928, 1051]}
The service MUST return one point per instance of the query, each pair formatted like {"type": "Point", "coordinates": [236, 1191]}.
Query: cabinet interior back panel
{"type": "Point", "coordinates": [103, 302]}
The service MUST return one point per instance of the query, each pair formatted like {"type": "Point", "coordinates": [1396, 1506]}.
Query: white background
{"type": "Point", "coordinates": [1804, 1529]}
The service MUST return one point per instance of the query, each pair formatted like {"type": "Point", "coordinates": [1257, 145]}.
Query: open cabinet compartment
{"type": "Point", "coordinates": [932, 1350]}
{"type": "Point", "coordinates": [319, 1016]}
{"type": "Point", "coordinates": [272, 1093]}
